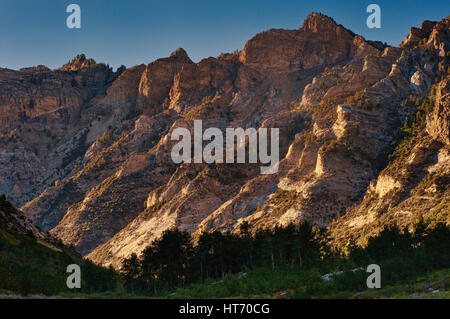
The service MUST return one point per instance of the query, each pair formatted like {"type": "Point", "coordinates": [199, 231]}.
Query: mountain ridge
{"type": "Point", "coordinates": [111, 187]}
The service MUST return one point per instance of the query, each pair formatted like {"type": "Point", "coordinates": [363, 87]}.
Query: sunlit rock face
{"type": "Point", "coordinates": [85, 150]}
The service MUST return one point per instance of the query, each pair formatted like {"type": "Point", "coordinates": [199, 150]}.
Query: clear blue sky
{"type": "Point", "coordinates": [131, 32]}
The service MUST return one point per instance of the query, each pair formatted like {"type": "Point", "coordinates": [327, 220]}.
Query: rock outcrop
{"type": "Point", "coordinates": [415, 185]}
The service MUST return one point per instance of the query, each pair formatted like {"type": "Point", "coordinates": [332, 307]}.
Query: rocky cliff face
{"type": "Point", "coordinates": [413, 186]}
{"type": "Point", "coordinates": [415, 183]}
{"type": "Point", "coordinates": [15, 220]}
{"type": "Point", "coordinates": [43, 124]}
{"type": "Point", "coordinates": [106, 182]}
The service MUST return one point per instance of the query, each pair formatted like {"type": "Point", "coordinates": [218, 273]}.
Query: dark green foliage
{"type": "Point", "coordinates": [132, 272]}
{"type": "Point", "coordinates": [28, 267]}
{"type": "Point", "coordinates": [402, 254]}
{"type": "Point", "coordinates": [298, 252]}
{"type": "Point", "coordinates": [165, 261]}
{"type": "Point", "coordinates": [174, 261]}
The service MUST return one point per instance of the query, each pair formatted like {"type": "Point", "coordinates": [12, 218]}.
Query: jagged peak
{"type": "Point", "coordinates": [78, 63]}
{"type": "Point", "coordinates": [80, 57]}
{"type": "Point", "coordinates": [180, 53]}
{"type": "Point", "coordinates": [427, 25]}
{"type": "Point", "coordinates": [416, 36]}
{"type": "Point", "coordinates": [317, 22]}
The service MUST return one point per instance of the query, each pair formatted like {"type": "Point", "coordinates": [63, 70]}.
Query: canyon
{"type": "Point", "coordinates": [364, 135]}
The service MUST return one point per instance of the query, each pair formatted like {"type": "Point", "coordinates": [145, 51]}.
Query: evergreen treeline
{"type": "Point", "coordinates": [174, 260]}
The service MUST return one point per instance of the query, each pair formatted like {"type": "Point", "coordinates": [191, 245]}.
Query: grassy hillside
{"type": "Point", "coordinates": [33, 264]}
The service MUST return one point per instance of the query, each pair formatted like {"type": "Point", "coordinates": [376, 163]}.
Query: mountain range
{"type": "Point", "coordinates": [364, 139]}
